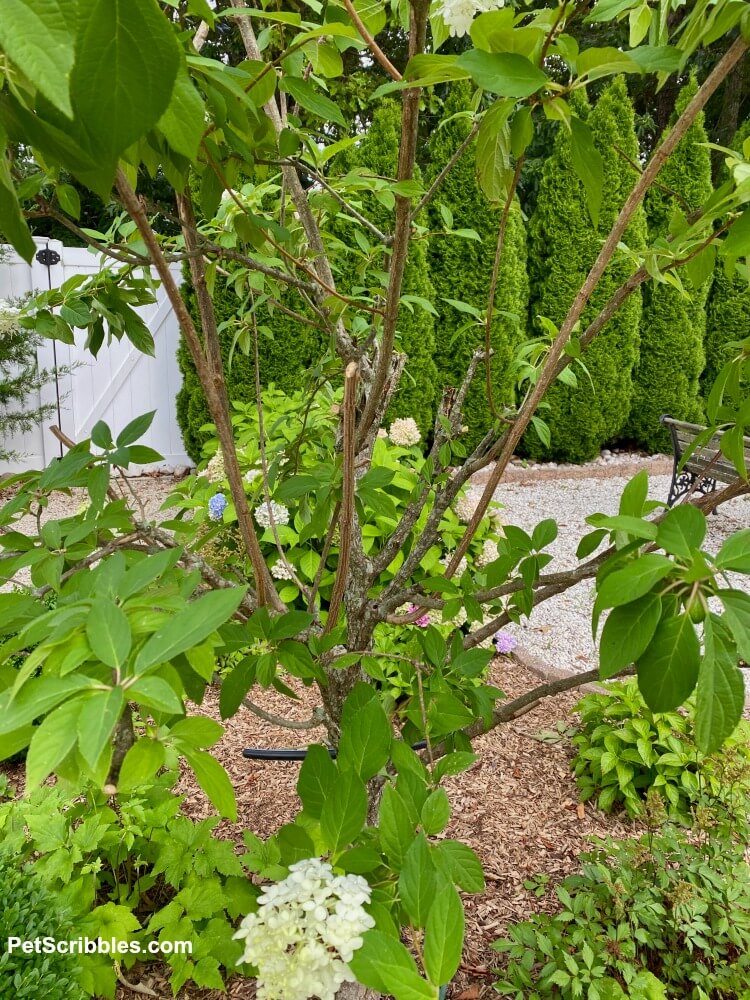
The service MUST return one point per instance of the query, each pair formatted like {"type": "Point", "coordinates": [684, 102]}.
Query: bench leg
{"type": "Point", "coordinates": [683, 482]}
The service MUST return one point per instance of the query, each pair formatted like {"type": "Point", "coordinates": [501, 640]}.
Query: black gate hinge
{"type": "Point", "coordinates": [48, 257]}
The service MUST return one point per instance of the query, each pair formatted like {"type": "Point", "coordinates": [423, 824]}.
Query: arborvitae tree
{"type": "Point", "coordinates": [563, 246]}
{"type": "Point", "coordinates": [728, 309]}
{"type": "Point", "coordinates": [286, 348]}
{"type": "Point", "coordinates": [377, 154]}
{"type": "Point", "coordinates": [462, 268]}
{"type": "Point", "coordinates": [673, 325]}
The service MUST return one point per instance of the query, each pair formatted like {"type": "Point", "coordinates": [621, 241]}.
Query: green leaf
{"type": "Point", "coordinates": [108, 632]}
{"type": "Point", "coordinates": [183, 122]}
{"type": "Point", "coordinates": [317, 777]}
{"type": "Point", "coordinates": [156, 693]}
{"type": "Point", "coordinates": [307, 97]}
{"type": "Point", "coordinates": [38, 36]}
{"type": "Point", "coordinates": [146, 571]}
{"type": "Point", "coordinates": [214, 781]}
{"type": "Point", "coordinates": [121, 85]}
{"type": "Point", "coordinates": [737, 613]}
{"type": "Point", "coordinates": [70, 201]}
{"type": "Point", "coordinates": [460, 864]}
{"type": "Point", "coordinates": [96, 723]}
{"type": "Point", "coordinates": [493, 151]}
{"type": "Point", "coordinates": [344, 811]}
{"type": "Point", "coordinates": [588, 164]}
{"type": "Point", "coordinates": [135, 429]}
{"type": "Point", "coordinates": [15, 228]}
{"type": "Point", "coordinates": [141, 763]}
{"type": "Point", "coordinates": [39, 696]}
{"type": "Point", "coordinates": [189, 627]}
{"type": "Point", "coordinates": [668, 670]}
{"type": "Point", "coordinates": [197, 731]}
{"type": "Point", "coordinates": [436, 812]}
{"type": "Point", "coordinates": [365, 736]}
{"type": "Point", "coordinates": [444, 936]}
{"type": "Point", "coordinates": [597, 62]}
{"type": "Point", "coordinates": [417, 882]}
{"type": "Point", "coordinates": [735, 552]}
{"type": "Point", "coordinates": [384, 964]}
{"type": "Point", "coordinates": [506, 73]}
{"type": "Point", "coordinates": [682, 530]}
{"type": "Point", "coordinates": [720, 696]}
{"type": "Point", "coordinates": [394, 826]}
{"type": "Point", "coordinates": [633, 581]}
{"type": "Point", "coordinates": [627, 632]}
{"type": "Point", "coordinates": [52, 741]}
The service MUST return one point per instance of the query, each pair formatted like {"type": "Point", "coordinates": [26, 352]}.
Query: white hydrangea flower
{"type": "Point", "coordinates": [251, 475]}
{"type": "Point", "coordinates": [465, 506]}
{"type": "Point", "coordinates": [215, 470]}
{"type": "Point", "coordinates": [404, 432]}
{"type": "Point", "coordinates": [458, 14]}
{"type": "Point", "coordinates": [488, 554]}
{"type": "Point", "coordinates": [305, 932]}
{"type": "Point", "coordinates": [462, 564]}
{"type": "Point", "coordinates": [8, 317]}
{"type": "Point", "coordinates": [281, 571]}
{"type": "Point", "coordinates": [266, 510]}
{"type": "Point", "coordinates": [382, 432]}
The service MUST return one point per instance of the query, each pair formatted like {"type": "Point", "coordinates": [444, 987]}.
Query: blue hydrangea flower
{"type": "Point", "coordinates": [504, 643]}
{"type": "Point", "coordinates": [216, 506]}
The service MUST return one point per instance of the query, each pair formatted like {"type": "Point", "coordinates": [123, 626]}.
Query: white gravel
{"type": "Point", "coordinates": [559, 631]}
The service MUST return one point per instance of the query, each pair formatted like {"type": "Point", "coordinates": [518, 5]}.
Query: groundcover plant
{"type": "Point", "coordinates": [111, 645]}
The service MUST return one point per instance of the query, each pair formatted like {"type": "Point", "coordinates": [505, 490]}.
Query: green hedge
{"type": "Point", "coordinates": [673, 325]}
{"type": "Point", "coordinates": [563, 246]}
{"type": "Point", "coordinates": [461, 269]}
{"type": "Point", "coordinates": [728, 308]}
{"type": "Point", "coordinates": [377, 154]}
{"type": "Point", "coordinates": [286, 347]}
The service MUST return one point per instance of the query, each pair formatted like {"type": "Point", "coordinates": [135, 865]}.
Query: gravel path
{"type": "Point", "coordinates": [559, 631]}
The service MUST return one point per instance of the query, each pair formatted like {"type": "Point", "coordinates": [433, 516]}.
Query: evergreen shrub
{"type": "Point", "coordinates": [563, 246]}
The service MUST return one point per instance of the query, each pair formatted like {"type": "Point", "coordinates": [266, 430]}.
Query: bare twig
{"type": "Point", "coordinates": [346, 516]}
{"type": "Point", "coordinates": [373, 46]}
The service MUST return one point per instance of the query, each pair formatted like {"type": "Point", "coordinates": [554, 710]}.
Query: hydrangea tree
{"type": "Point", "coordinates": [372, 534]}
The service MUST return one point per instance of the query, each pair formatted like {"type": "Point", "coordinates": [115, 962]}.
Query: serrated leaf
{"type": "Point", "coordinates": [444, 936]}
{"type": "Point", "coordinates": [627, 632]}
{"type": "Point", "coordinates": [108, 633]}
{"type": "Point", "coordinates": [344, 811]}
{"type": "Point", "coordinates": [668, 669]}
{"type": "Point", "coordinates": [720, 696]}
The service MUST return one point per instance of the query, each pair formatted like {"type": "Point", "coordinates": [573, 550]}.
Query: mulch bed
{"type": "Point", "coordinates": [517, 807]}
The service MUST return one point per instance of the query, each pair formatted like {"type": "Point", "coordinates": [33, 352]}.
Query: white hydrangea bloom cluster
{"type": "Point", "coordinates": [305, 932]}
{"type": "Point", "coordinates": [488, 554]}
{"type": "Point", "coordinates": [8, 317]}
{"type": "Point", "coordinates": [458, 14]}
{"type": "Point", "coordinates": [465, 506]}
{"type": "Point", "coordinates": [462, 564]}
{"type": "Point", "coordinates": [404, 432]}
{"type": "Point", "coordinates": [264, 513]}
{"type": "Point", "coordinates": [251, 475]}
{"type": "Point", "coordinates": [281, 571]}
{"type": "Point", "coordinates": [215, 470]}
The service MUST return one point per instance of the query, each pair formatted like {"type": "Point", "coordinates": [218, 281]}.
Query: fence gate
{"type": "Point", "coordinates": [118, 385]}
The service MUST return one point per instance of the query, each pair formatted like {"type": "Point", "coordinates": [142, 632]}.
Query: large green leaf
{"type": "Point", "coordinates": [507, 73]}
{"type": "Point", "coordinates": [682, 530]}
{"type": "Point", "coordinates": [668, 670]}
{"type": "Point", "coordinates": [444, 936]}
{"type": "Point", "coordinates": [317, 778]}
{"type": "Point", "coordinates": [214, 781]}
{"type": "Point", "coordinates": [12, 223]}
{"type": "Point", "coordinates": [344, 811]}
{"type": "Point", "coordinates": [156, 693]}
{"type": "Point", "coordinates": [36, 698]}
{"type": "Point", "coordinates": [39, 37]}
{"type": "Point", "coordinates": [96, 722]}
{"type": "Point", "coordinates": [737, 613]}
{"type": "Point", "coordinates": [627, 632]}
{"type": "Point", "coordinates": [384, 964]}
{"type": "Point", "coordinates": [417, 882]}
{"type": "Point", "coordinates": [141, 763]}
{"type": "Point", "coordinates": [633, 581]}
{"type": "Point", "coordinates": [189, 627]}
{"type": "Point", "coordinates": [735, 552]}
{"type": "Point", "coordinates": [183, 122]}
{"type": "Point", "coordinates": [493, 151]}
{"type": "Point", "coordinates": [395, 827]}
{"type": "Point", "coordinates": [365, 736]}
{"type": "Point", "coordinates": [308, 98]}
{"type": "Point", "coordinates": [52, 742]}
{"type": "Point", "coordinates": [720, 696]}
{"type": "Point", "coordinates": [461, 865]}
{"type": "Point", "coordinates": [126, 62]}
{"type": "Point", "coordinates": [588, 164]}
{"type": "Point", "coordinates": [108, 632]}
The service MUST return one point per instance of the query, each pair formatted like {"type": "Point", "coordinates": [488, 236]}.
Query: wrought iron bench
{"type": "Point", "coordinates": [706, 465]}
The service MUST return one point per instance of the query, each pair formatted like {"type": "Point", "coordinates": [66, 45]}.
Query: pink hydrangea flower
{"type": "Point", "coordinates": [423, 622]}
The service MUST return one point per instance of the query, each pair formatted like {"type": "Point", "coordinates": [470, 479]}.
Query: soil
{"type": "Point", "coordinates": [517, 807]}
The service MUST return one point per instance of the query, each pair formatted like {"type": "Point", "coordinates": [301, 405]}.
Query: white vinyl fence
{"type": "Point", "coordinates": [118, 385]}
